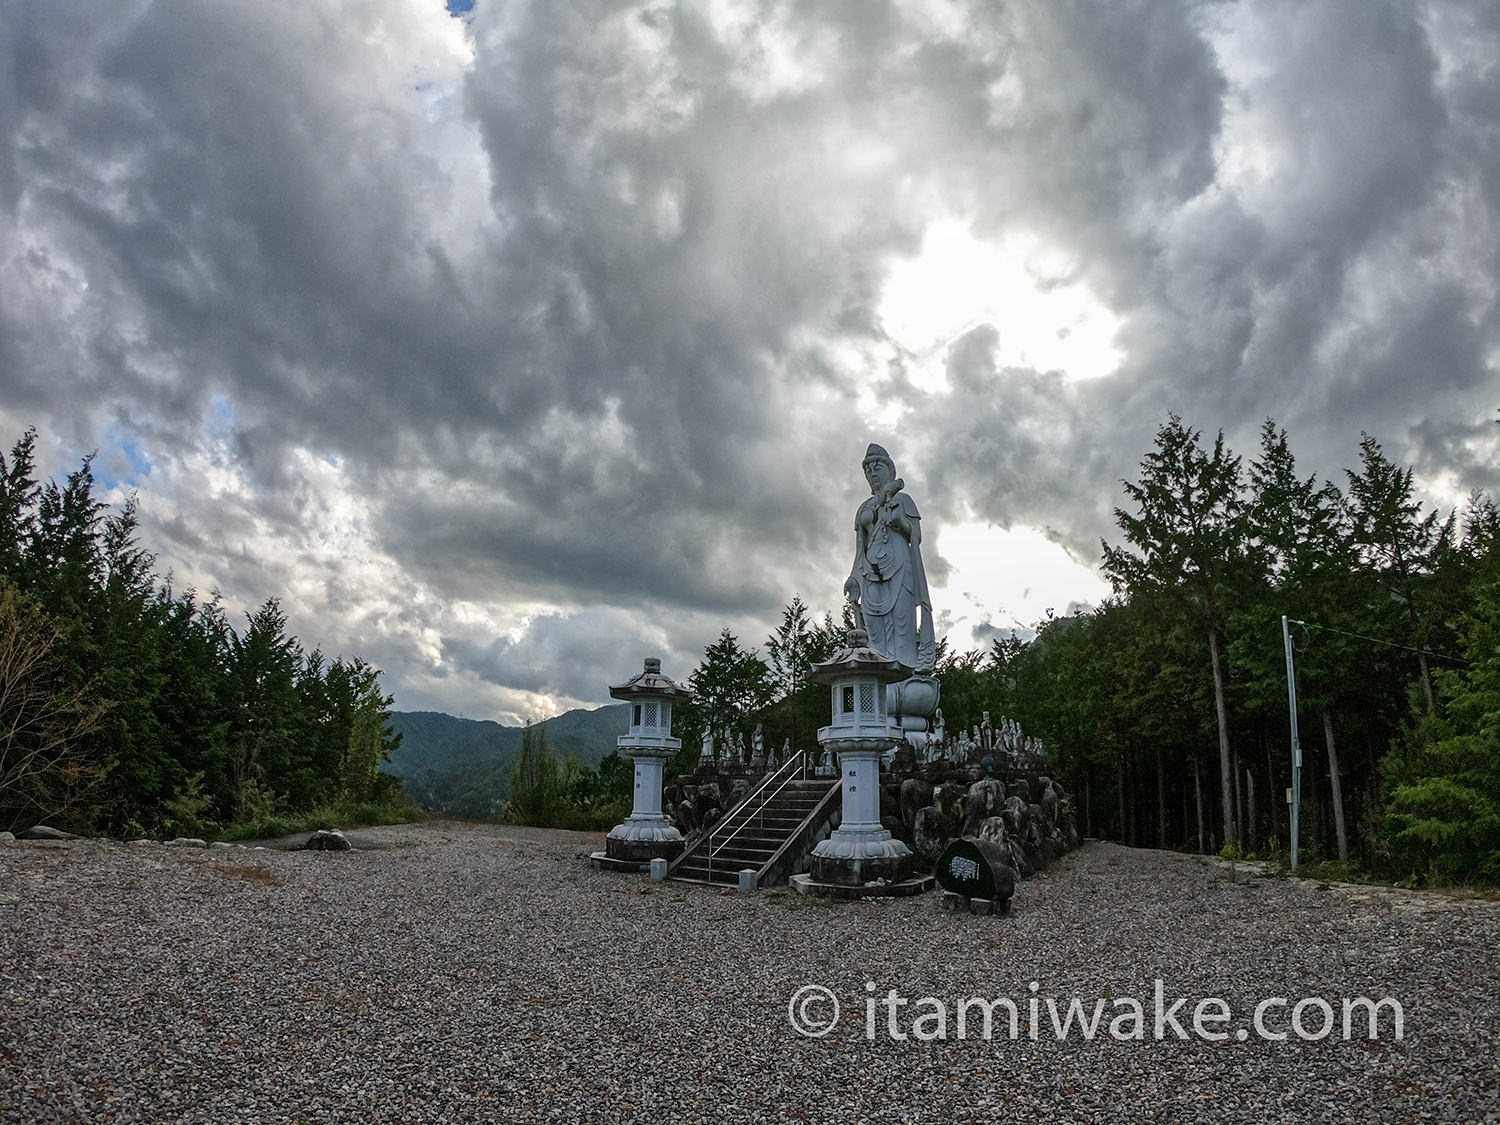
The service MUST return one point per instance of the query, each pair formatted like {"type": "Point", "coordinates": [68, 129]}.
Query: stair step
{"type": "Point", "coordinates": [785, 812]}
{"type": "Point", "coordinates": [757, 835]}
{"type": "Point", "coordinates": [801, 800]}
{"type": "Point", "coordinates": [701, 875]}
{"type": "Point", "coordinates": [772, 826]}
{"type": "Point", "coordinates": [743, 857]}
{"type": "Point", "coordinates": [752, 840]}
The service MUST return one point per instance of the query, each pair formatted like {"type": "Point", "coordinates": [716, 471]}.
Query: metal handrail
{"type": "Point", "coordinates": [798, 759]}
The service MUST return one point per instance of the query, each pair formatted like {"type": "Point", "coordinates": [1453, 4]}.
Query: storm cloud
{"type": "Point", "coordinates": [510, 347]}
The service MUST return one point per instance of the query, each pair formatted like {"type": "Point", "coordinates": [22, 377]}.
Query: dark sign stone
{"type": "Point", "coordinates": [976, 869]}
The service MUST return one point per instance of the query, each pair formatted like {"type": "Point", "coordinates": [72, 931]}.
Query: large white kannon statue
{"type": "Point", "coordinates": [888, 583]}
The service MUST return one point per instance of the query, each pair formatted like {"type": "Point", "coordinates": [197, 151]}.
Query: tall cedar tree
{"type": "Point", "coordinates": [1400, 546]}
{"type": "Point", "coordinates": [1189, 536]}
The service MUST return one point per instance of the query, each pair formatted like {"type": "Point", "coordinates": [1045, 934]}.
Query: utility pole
{"type": "Point", "coordinates": [1291, 702]}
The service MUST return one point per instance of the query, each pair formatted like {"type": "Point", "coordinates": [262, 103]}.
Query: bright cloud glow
{"type": "Point", "coordinates": [1046, 319]}
{"type": "Point", "coordinates": [1007, 578]}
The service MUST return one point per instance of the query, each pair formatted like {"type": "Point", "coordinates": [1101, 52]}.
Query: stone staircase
{"type": "Point", "coordinates": [772, 832]}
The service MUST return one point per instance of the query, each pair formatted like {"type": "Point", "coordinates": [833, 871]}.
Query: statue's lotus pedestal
{"type": "Point", "coordinates": [646, 834]}
{"type": "Point", "coordinates": [914, 701]}
{"type": "Point", "coordinates": [860, 858]}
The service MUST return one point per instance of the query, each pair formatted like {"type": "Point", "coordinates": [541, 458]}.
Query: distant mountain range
{"type": "Point", "coordinates": [462, 767]}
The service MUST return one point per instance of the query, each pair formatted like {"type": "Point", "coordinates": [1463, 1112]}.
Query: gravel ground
{"type": "Point", "coordinates": [464, 973]}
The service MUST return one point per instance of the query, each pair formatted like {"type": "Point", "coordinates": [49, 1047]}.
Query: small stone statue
{"type": "Point", "coordinates": [986, 734]}
{"type": "Point", "coordinates": [706, 755]}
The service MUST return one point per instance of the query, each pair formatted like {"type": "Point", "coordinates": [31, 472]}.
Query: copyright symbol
{"type": "Point", "coordinates": [803, 1011]}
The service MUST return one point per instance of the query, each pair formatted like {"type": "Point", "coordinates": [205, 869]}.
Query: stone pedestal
{"type": "Point", "coordinates": [859, 849]}
{"type": "Point", "coordinates": [647, 834]}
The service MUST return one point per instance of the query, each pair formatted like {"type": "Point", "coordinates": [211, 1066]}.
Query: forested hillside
{"type": "Point", "coordinates": [129, 708]}
{"type": "Point", "coordinates": [463, 767]}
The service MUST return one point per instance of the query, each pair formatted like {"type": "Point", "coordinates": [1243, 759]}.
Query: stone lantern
{"type": "Point", "coordinates": [646, 835]}
{"type": "Point", "coordinates": [860, 851]}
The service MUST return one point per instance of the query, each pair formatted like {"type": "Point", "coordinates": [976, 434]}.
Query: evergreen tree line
{"type": "Point", "coordinates": [566, 794]}
{"type": "Point", "coordinates": [1169, 706]}
{"type": "Point", "coordinates": [129, 709]}
{"type": "Point", "coordinates": [1166, 709]}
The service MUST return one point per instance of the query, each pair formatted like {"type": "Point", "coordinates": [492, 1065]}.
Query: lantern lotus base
{"type": "Point", "coordinates": [854, 857]}
{"type": "Point", "coordinates": [642, 840]}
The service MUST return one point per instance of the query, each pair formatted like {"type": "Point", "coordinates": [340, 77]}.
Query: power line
{"type": "Point", "coordinates": [1378, 641]}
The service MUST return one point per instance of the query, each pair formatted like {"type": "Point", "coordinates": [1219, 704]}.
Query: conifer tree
{"type": "Point", "coordinates": [1189, 538]}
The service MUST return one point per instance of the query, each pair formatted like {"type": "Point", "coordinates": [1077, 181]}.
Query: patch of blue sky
{"type": "Point", "coordinates": [121, 461]}
{"type": "Point", "coordinates": [460, 7]}
{"type": "Point", "coordinates": [220, 420]}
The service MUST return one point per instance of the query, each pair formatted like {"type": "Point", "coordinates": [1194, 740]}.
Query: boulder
{"type": "Point", "coordinates": [46, 832]}
{"type": "Point", "coordinates": [1017, 817]}
{"type": "Point", "coordinates": [984, 800]}
{"type": "Point", "coordinates": [927, 835]}
{"type": "Point", "coordinates": [1031, 844]}
{"type": "Point", "coordinates": [1050, 803]}
{"type": "Point", "coordinates": [328, 840]}
{"type": "Point", "coordinates": [993, 831]}
{"type": "Point", "coordinates": [707, 806]}
{"type": "Point", "coordinates": [1019, 862]}
{"type": "Point", "coordinates": [915, 794]}
{"type": "Point", "coordinates": [948, 800]}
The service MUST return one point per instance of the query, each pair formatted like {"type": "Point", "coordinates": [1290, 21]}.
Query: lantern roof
{"type": "Point", "coordinates": [857, 658]}
{"type": "Point", "coordinates": [651, 684]}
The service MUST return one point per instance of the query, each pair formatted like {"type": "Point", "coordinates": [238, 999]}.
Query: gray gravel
{"type": "Point", "coordinates": [470, 973]}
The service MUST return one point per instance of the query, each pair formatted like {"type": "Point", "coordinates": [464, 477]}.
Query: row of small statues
{"type": "Point", "coordinates": [754, 756]}
{"type": "Point", "coordinates": [1006, 741]}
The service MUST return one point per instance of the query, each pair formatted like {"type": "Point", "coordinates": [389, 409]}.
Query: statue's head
{"type": "Point", "coordinates": [880, 470]}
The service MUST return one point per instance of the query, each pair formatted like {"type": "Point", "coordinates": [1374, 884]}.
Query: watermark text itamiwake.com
{"type": "Point", "coordinates": [814, 1011]}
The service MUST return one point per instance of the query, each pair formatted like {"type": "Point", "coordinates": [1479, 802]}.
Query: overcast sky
{"type": "Point", "coordinates": [513, 346]}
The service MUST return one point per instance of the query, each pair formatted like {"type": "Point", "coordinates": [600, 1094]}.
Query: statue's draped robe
{"type": "Point", "coordinates": [893, 583]}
